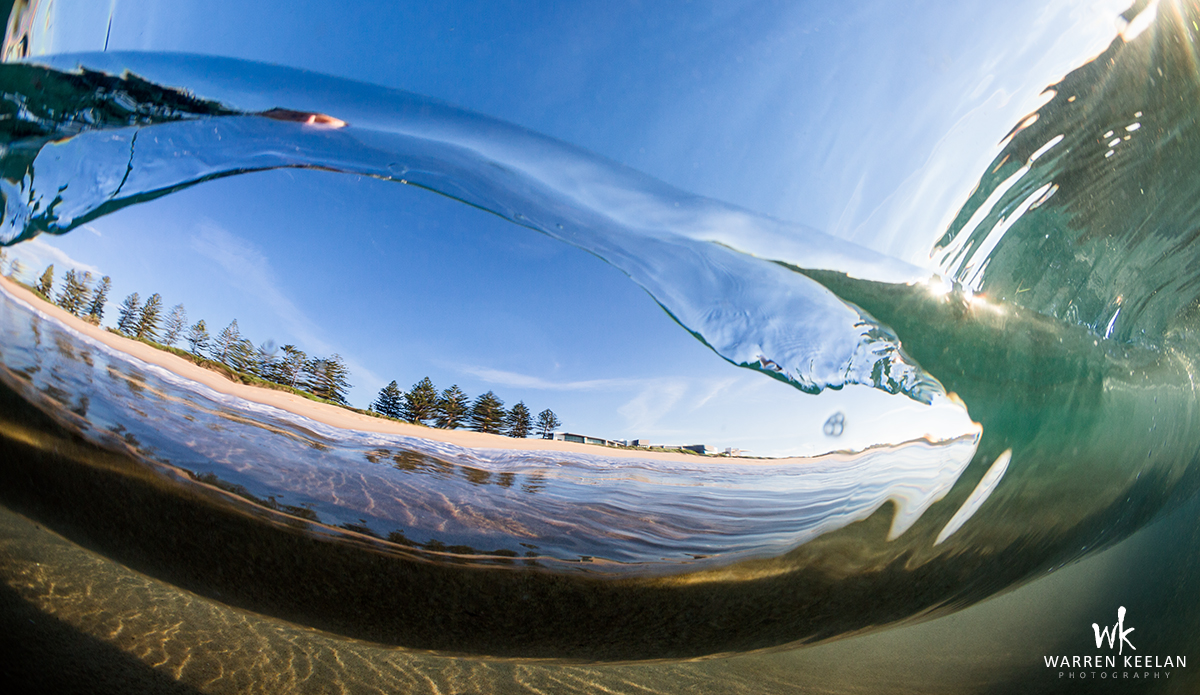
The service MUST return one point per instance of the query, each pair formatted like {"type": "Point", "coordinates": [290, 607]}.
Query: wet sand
{"type": "Point", "coordinates": [75, 621]}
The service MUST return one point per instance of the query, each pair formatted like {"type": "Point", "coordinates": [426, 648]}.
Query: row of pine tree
{"type": "Point", "coordinates": [325, 377]}
{"type": "Point", "coordinates": [450, 409]}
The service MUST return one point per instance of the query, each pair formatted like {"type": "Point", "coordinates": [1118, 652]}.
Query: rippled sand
{"type": "Point", "coordinates": [77, 622]}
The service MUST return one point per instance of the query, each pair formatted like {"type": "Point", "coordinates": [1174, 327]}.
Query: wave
{"type": "Point", "coordinates": [1065, 324]}
{"type": "Point", "coordinates": [680, 248]}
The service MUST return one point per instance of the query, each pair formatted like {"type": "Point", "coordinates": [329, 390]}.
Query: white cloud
{"type": "Point", "coordinates": [655, 401]}
{"type": "Point", "coordinates": [714, 388]}
{"type": "Point", "coordinates": [505, 378]}
{"type": "Point", "coordinates": [36, 254]}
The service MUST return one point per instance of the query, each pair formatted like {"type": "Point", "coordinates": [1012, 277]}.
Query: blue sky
{"type": "Point", "coordinates": [811, 112]}
{"type": "Point", "coordinates": [871, 122]}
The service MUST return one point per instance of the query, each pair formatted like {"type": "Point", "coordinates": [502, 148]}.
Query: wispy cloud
{"type": "Point", "coordinates": [36, 254]}
{"type": "Point", "coordinates": [656, 400]}
{"type": "Point", "coordinates": [650, 401]}
{"type": "Point", "coordinates": [710, 390]}
{"type": "Point", "coordinates": [248, 269]}
{"type": "Point", "coordinates": [504, 378]}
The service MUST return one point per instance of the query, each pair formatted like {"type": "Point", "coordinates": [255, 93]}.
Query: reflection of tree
{"type": "Point", "coordinates": [517, 422]}
{"type": "Point", "coordinates": [399, 538]}
{"type": "Point", "coordinates": [487, 414]}
{"type": "Point", "coordinates": [547, 422]}
{"type": "Point", "coordinates": [409, 461]}
{"type": "Point", "coordinates": [452, 408]}
{"type": "Point", "coordinates": [476, 476]}
{"type": "Point", "coordinates": [535, 483]}
{"type": "Point", "coordinates": [420, 404]}
{"type": "Point", "coordinates": [302, 512]}
{"type": "Point", "coordinates": [64, 346]}
{"type": "Point", "coordinates": [361, 528]}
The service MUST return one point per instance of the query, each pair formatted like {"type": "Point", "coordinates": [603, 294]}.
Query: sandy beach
{"type": "Point", "coordinates": [331, 415]}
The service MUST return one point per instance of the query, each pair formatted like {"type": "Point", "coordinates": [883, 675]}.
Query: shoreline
{"type": "Point", "coordinates": [344, 419]}
{"type": "Point", "coordinates": [336, 416]}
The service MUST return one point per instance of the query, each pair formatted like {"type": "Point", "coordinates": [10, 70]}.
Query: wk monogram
{"type": "Point", "coordinates": [1115, 633]}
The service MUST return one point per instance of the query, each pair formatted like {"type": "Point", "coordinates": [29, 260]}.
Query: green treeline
{"type": "Point", "coordinates": [289, 367]}
{"type": "Point", "coordinates": [324, 377]}
{"type": "Point", "coordinates": [451, 409]}
{"type": "Point", "coordinates": [77, 295]}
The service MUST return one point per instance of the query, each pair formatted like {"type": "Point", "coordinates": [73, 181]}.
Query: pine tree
{"type": "Point", "coordinates": [517, 422]}
{"type": "Point", "coordinates": [291, 367]}
{"type": "Point", "coordinates": [99, 297]}
{"type": "Point", "coordinates": [45, 284]}
{"type": "Point", "coordinates": [197, 337]}
{"type": "Point", "coordinates": [16, 268]}
{"type": "Point", "coordinates": [240, 355]}
{"type": "Point", "coordinates": [64, 294]}
{"type": "Point", "coordinates": [131, 314]}
{"type": "Point", "coordinates": [176, 322]}
{"type": "Point", "coordinates": [452, 408]}
{"type": "Point", "coordinates": [147, 325]}
{"type": "Point", "coordinates": [328, 378]}
{"type": "Point", "coordinates": [226, 339]}
{"type": "Point", "coordinates": [312, 375]}
{"type": "Point", "coordinates": [264, 363]}
{"type": "Point", "coordinates": [74, 294]}
{"type": "Point", "coordinates": [547, 422]}
{"type": "Point", "coordinates": [420, 404]}
{"type": "Point", "coordinates": [86, 294]}
{"type": "Point", "coordinates": [390, 401]}
{"type": "Point", "coordinates": [487, 414]}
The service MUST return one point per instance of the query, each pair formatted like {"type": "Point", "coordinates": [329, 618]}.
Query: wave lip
{"type": "Point", "coordinates": [711, 266]}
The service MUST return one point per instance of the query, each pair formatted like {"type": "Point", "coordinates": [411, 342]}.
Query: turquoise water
{"type": "Point", "coordinates": [1061, 314]}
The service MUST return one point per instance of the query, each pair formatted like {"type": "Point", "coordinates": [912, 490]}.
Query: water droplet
{"type": "Point", "coordinates": [835, 425]}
